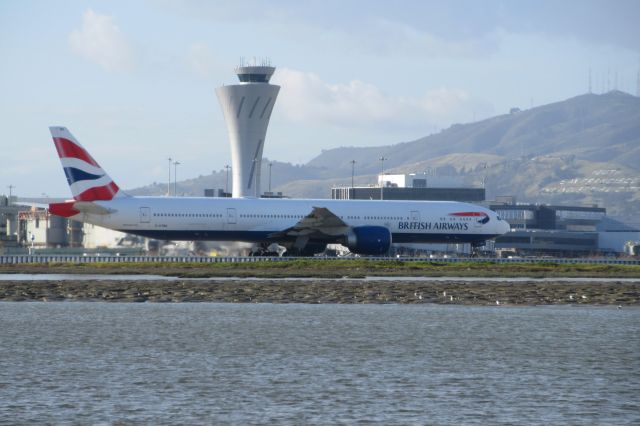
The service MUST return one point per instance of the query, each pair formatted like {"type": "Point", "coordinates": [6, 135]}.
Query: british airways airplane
{"type": "Point", "coordinates": [303, 226]}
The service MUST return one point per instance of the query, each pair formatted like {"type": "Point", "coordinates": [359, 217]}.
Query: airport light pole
{"type": "Point", "coordinates": [169, 181]}
{"type": "Point", "coordinates": [10, 193]}
{"type": "Point", "coordinates": [382, 177]}
{"type": "Point", "coordinates": [270, 164]}
{"type": "Point", "coordinates": [175, 177]}
{"type": "Point", "coordinates": [353, 170]}
{"type": "Point", "coordinates": [226, 186]}
{"type": "Point", "coordinates": [256, 164]}
{"type": "Point", "coordinates": [484, 178]}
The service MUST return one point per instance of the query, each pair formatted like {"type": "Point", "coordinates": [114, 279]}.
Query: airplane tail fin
{"type": "Point", "coordinates": [87, 180]}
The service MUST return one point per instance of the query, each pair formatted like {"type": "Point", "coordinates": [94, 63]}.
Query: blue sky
{"type": "Point", "coordinates": [134, 81]}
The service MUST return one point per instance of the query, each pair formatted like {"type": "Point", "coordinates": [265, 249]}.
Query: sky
{"type": "Point", "coordinates": [135, 81]}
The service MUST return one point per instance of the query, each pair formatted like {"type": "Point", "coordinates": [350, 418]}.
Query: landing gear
{"type": "Point", "coordinates": [309, 250]}
{"type": "Point", "coordinates": [475, 249]}
{"type": "Point", "coordinates": [264, 249]}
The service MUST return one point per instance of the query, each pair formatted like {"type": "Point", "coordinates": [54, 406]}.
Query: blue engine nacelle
{"type": "Point", "coordinates": [369, 240]}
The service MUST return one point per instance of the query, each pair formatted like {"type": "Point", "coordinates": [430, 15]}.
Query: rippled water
{"type": "Point", "coordinates": [101, 363]}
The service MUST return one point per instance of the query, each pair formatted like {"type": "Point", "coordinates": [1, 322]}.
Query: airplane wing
{"type": "Point", "coordinates": [321, 223]}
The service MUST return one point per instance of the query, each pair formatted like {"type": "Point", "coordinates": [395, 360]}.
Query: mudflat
{"type": "Point", "coordinates": [327, 291]}
{"type": "Point", "coordinates": [342, 286]}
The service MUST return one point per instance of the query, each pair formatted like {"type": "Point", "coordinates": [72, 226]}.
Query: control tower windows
{"type": "Point", "coordinates": [253, 78]}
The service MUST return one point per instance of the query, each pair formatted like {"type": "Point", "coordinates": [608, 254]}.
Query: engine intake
{"type": "Point", "coordinates": [369, 240]}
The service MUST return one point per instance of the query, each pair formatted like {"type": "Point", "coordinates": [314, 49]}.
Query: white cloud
{"type": "Point", "coordinates": [304, 97]}
{"type": "Point", "coordinates": [101, 41]}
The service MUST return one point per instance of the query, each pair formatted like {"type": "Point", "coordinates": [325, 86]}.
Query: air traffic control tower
{"type": "Point", "coordinates": [247, 108]}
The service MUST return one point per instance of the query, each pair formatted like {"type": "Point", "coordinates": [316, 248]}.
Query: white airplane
{"type": "Point", "coordinates": [303, 226]}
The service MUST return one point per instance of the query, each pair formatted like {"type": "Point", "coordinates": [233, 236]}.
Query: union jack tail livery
{"type": "Point", "coordinates": [87, 180]}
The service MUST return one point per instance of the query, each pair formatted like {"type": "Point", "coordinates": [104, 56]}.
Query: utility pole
{"type": "Point", "coordinates": [270, 164]}
{"type": "Point", "coordinates": [169, 181]}
{"type": "Point", "coordinates": [382, 177]}
{"type": "Point", "coordinates": [226, 186]}
{"type": "Point", "coordinates": [175, 178]}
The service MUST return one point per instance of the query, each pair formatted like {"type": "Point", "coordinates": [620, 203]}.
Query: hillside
{"type": "Point", "coordinates": [591, 127]}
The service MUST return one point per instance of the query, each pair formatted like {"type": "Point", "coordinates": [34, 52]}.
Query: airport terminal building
{"type": "Point", "coordinates": [413, 187]}
{"type": "Point", "coordinates": [563, 231]}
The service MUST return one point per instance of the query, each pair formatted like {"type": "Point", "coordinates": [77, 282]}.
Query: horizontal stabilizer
{"type": "Point", "coordinates": [72, 208]}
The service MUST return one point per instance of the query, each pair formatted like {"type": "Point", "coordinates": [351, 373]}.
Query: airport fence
{"type": "Point", "coordinates": [78, 259]}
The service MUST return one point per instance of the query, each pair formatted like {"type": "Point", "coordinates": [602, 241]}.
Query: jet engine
{"type": "Point", "coordinates": [369, 240]}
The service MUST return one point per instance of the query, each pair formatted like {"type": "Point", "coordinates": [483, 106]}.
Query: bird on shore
{"type": "Point", "coordinates": [497, 302]}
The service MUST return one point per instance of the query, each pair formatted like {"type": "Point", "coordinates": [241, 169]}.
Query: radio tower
{"type": "Point", "coordinates": [247, 108]}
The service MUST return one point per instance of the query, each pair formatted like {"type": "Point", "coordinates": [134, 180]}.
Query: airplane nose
{"type": "Point", "coordinates": [504, 227]}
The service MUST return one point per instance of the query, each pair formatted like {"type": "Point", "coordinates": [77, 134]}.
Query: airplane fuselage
{"type": "Point", "coordinates": [255, 220]}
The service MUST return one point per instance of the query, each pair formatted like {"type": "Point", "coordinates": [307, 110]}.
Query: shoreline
{"type": "Point", "coordinates": [458, 292]}
{"type": "Point", "coordinates": [332, 269]}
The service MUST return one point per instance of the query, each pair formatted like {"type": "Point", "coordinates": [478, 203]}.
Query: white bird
{"type": "Point", "coordinates": [451, 298]}
{"type": "Point", "coordinates": [444, 294]}
{"type": "Point", "coordinates": [583, 296]}
{"type": "Point", "coordinates": [571, 297]}
{"type": "Point", "coordinates": [498, 302]}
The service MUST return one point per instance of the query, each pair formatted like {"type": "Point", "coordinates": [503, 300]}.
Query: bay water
{"type": "Point", "coordinates": [207, 363]}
